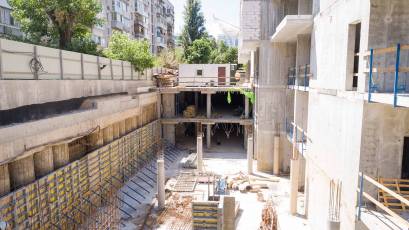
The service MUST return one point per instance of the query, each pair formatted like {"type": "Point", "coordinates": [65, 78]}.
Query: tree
{"type": "Point", "coordinates": [199, 52]}
{"type": "Point", "coordinates": [170, 58]}
{"type": "Point", "coordinates": [136, 52]}
{"type": "Point", "coordinates": [194, 24]}
{"type": "Point", "coordinates": [224, 54]}
{"type": "Point", "coordinates": [59, 20]}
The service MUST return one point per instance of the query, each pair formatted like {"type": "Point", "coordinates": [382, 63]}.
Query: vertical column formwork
{"type": "Point", "coordinates": [22, 172]}
{"type": "Point", "coordinates": [108, 135]}
{"type": "Point", "coordinates": [61, 156]}
{"type": "Point", "coordinates": [168, 106]}
{"type": "Point", "coordinates": [43, 162]}
{"type": "Point", "coordinates": [4, 180]}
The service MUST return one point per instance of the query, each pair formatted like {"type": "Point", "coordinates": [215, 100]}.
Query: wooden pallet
{"type": "Point", "coordinates": [400, 186]}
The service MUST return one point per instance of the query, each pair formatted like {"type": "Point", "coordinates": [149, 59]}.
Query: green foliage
{"type": "Point", "coordinates": [84, 45]}
{"type": "Point", "coordinates": [224, 54]}
{"type": "Point", "coordinates": [199, 52]}
{"type": "Point", "coordinates": [56, 22]}
{"type": "Point", "coordinates": [170, 58]}
{"type": "Point", "coordinates": [194, 25]}
{"type": "Point", "coordinates": [136, 52]}
{"type": "Point", "coordinates": [247, 93]}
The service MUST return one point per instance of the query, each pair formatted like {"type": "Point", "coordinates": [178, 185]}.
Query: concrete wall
{"type": "Point", "coordinates": [333, 154]}
{"type": "Point", "coordinates": [22, 138]}
{"type": "Point", "coordinates": [383, 132]}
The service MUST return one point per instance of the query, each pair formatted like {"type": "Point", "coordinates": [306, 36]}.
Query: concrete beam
{"type": "Point", "coordinates": [43, 162]}
{"type": "Point", "coordinates": [22, 172]}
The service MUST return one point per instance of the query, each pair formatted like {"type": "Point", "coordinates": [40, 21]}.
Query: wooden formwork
{"type": "Point", "coordinates": [82, 194]}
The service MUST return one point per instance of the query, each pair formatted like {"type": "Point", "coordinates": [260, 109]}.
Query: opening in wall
{"type": "Point", "coordinates": [405, 159]}
{"type": "Point", "coordinates": [354, 38]}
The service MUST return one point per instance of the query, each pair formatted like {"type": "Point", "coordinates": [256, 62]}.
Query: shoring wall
{"type": "Point", "coordinates": [82, 194]}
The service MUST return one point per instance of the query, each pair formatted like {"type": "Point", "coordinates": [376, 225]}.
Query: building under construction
{"type": "Point", "coordinates": [320, 106]}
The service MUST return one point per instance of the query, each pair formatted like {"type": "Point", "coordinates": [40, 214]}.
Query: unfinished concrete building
{"type": "Point", "coordinates": [330, 82]}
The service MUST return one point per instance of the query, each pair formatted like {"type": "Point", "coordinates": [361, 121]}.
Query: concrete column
{"type": "Point", "coordinates": [22, 172]}
{"type": "Point", "coordinates": [61, 156]}
{"type": "Point", "coordinates": [276, 168]}
{"type": "Point", "coordinates": [108, 134]}
{"type": "Point", "coordinates": [229, 213]}
{"type": "Point", "coordinates": [197, 100]}
{"type": "Point", "coordinates": [161, 183]}
{"type": "Point", "coordinates": [43, 162]}
{"type": "Point", "coordinates": [199, 150]}
{"type": "Point", "coordinates": [294, 177]}
{"type": "Point", "coordinates": [246, 107]}
{"type": "Point", "coordinates": [209, 136]}
{"type": "Point", "coordinates": [209, 105]}
{"type": "Point", "coordinates": [159, 106]}
{"type": "Point", "coordinates": [250, 154]}
{"type": "Point", "coordinates": [122, 129]}
{"type": "Point", "coordinates": [305, 7]}
{"type": "Point", "coordinates": [306, 190]}
{"type": "Point", "coordinates": [115, 130]}
{"type": "Point", "coordinates": [168, 106]}
{"type": "Point", "coordinates": [4, 180]}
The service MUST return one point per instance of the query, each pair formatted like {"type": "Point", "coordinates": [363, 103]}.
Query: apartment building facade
{"type": "Point", "coordinates": [151, 20]}
{"type": "Point", "coordinates": [8, 25]}
{"type": "Point", "coordinates": [330, 82]}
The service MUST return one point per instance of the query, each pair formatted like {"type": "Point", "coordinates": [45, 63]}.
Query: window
{"type": "Point", "coordinates": [199, 72]}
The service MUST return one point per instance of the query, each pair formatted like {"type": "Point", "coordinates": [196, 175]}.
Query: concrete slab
{"type": "Point", "coordinates": [291, 26]}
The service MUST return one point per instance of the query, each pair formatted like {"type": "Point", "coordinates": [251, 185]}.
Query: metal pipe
{"type": "Point", "coordinates": [395, 84]}
{"type": "Point", "coordinates": [370, 76]}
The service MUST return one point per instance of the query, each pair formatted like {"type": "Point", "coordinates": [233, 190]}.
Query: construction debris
{"type": "Point", "coordinates": [189, 161]}
{"type": "Point", "coordinates": [186, 182]}
{"type": "Point", "coordinates": [165, 80]}
{"type": "Point", "coordinates": [189, 112]}
{"type": "Point", "coordinates": [245, 183]}
{"type": "Point", "coordinates": [269, 217]}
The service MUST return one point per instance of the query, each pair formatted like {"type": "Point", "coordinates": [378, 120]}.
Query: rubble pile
{"type": "Point", "coordinates": [269, 217]}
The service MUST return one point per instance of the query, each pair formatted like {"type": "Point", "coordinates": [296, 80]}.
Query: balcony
{"type": "Point", "coordinates": [388, 75]}
{"type": "Point", "coordinates": [299, 78]}
{"type": "Point", "coordinates": [291, 26]}
{"type": "Point", "coordinates": [120, 26]}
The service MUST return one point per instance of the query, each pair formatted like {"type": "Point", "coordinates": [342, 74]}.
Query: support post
{"type": "Point", "coordinates": [35, 56]}
{"type": "Point", "coordinates": [209, 105]}
{"type": "Point", "coordinates": [61, 66]}
{"type": "Point", "coordinates": [82, 67]}
{"type": "Point", "coordinates": [161, 183]}
{"type": "Point", "coordinates": [361, 190]}
{"type": "Point", "coordinates": [209, 136]}
{"type": "Point", "coordinates": [246, 107]}
{"type": "Point", "coordinates": [370, 76]}
{"type": "Point", "coordinates": [196, 101]}
{"type": "Point", "coordinates": [111, 69]}
{"type": "Point", "coordinates": [250, 154]}
{"type": "Point", "coordinates": [199, 150]}
{"type": "Point", "coordinates": [99, 68]}
{"type": "Point", "coordinates": [295, 164]}
{"type": "Point", "coordinates": [276, 159]}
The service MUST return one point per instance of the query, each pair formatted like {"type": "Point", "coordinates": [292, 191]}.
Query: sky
{"type": "Point", "coordinates": [226, 10]}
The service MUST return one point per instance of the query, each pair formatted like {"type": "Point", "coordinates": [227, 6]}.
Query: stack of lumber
{"type": "Point", "coordinates": [189, 112]}
{"type": "Point", "coordinates": [205, 214]}
{"type": "Point", "coordinates": [246, 183]}
{"type": "Point", "coordinates": [269, 217]}
{"type": "Point", "coordinates": [166, 80]}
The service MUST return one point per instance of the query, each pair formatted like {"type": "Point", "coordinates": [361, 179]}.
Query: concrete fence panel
{"type": "Point", "coordinates": [71, 68]}
{"type": "Point", "coordinates": [90, 67]}
{"type": "Point", "coordinates": [15, 59]}
{"type": "Point", "coordinates": [49, 59]}
{"type": "Point", "coordinates": [128, 71]}
{"type": "Point", "coordinates": [105, 66]}
{"type": "Point", "coordinates": [117, 69]}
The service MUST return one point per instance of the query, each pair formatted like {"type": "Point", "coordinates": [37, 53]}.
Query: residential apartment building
{"type": "Point", "coordinates": [7, 24]}
{"type": "Point", "coordinates": [152, 20]}
{"type": "Point", "coordinates": [331, 88]}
